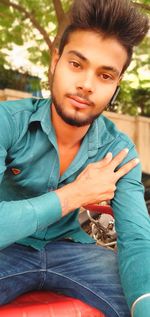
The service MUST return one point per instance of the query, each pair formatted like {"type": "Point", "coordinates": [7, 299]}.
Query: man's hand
{"type": "Point", "coordinates": [96, 183]}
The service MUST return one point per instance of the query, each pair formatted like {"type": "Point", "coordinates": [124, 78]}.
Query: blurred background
{"type": "Point", "coordinates": [29, 31]}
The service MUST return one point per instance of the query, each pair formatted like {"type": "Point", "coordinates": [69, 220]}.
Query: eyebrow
{"type": "Point", "coordinates": [105, 67]}
{"type": "Point", "coordinates": [113, 69]}
{"type": "Point", "coordinates": [78, 54]}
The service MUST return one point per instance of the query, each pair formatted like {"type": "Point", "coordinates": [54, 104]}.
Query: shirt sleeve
{"type": "Point", "coordinates": [141, 307]}
{"type": "Point", "coordinates": [22, 218]}
{"type": "Point", "coordinates": [133, 230]}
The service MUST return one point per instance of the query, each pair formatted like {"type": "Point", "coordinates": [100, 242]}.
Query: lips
{"type": "Point", "coordinates": [79, 102]}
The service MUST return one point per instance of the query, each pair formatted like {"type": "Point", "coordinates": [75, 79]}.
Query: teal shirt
{"type": "Point", "coordinates": [30, 211]}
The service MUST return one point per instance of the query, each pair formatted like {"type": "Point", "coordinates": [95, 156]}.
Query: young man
{"type": "Point", "coordinates": [60, 154]}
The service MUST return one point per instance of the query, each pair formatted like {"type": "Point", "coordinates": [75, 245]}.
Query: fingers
{"type": "Point", "coordinates": [114, 162]}
{"type": "Point", "coordinates": [108, 157]}
{"type": "Point", "coordinates": [119, 158]}
{"type": "Point", "coordinates": [105, 161]}
{"type": "Point", "coordinates": [126, 168]}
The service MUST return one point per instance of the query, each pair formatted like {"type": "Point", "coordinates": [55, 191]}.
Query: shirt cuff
{"type": "Point", "coordinates": [141, 307]}
{"type": "Point", "coordinates": [47, 208]}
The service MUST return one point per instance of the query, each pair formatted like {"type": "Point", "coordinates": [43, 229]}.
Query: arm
{"type": "Point", "coordinates": [19, 219]}
{"type": "Point", "coordinates": [97, 183]}
{"type": "Point", "coordinates": [133, 230]}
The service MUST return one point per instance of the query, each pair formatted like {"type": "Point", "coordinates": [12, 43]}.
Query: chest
{"type": "Point", "coordinates": [34, 165]}
{"type": "Point", "coordinates": [66, 157]}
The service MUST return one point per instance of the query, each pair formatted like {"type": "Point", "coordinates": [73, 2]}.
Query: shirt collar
{"type": "Point", "coordinates": [42, 113]}
{"type": "Point", "coordinates": [101, 132]}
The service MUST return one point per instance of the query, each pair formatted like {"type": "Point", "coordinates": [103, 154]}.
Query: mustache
{"type": "Point", "coordinates": [82, 96]}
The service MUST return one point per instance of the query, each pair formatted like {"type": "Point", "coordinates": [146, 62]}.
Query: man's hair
{"type": "Point", "coordinates": [120, 19]}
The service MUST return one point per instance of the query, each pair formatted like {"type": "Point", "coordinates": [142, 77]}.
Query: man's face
{"type": "Point", "coordinates": [85, 76]}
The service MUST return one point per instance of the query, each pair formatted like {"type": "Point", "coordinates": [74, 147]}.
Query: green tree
{"type": "Point", "coordinates": [41, 23]}
{"type": "Point", "coordinates": [134, 96]}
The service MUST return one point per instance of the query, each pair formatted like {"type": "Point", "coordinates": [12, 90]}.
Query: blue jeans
{"type": "Point", "coordinates": [84, 271]}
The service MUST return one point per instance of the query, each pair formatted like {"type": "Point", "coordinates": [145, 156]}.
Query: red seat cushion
{"type": "Point", "coordinates": [48, 304]}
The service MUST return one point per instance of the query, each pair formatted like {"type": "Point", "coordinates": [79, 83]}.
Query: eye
{"type": "Point", "coordinates": [106, 76]}
{"type": "Point", "coordinates": [75, 64]}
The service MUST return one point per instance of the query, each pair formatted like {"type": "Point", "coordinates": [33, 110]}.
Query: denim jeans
{"type": "Point", "coordinates": [84, 271]}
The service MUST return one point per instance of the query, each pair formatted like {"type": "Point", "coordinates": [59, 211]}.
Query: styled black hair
{"type": "Point", "coordinates": [120, 19]}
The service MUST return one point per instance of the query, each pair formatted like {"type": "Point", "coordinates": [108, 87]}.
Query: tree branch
{"type": "Point", "coordinates": [59, 10]}
{"type": "Point", "coordinates": [62, 18]}
{"type": "Point", "coordinates": [28, 15]}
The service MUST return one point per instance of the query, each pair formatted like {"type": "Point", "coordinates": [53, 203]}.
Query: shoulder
{"type": "Point", "coordinates": [116, 135]}
{"type": "Point", "coordinates": [21, 110]}
{"type": "Point", "coordinates": [15, 115]}
{"type": "Point", "coordinates": [14, 106]}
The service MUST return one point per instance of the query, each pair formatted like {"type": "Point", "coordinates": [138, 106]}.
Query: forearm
{"type": "Point", "coordinates": [133, 229]}
{"type": "Point", "coordinates": [70, 197]}
{"type": "Point", "coordinates": [133, 252]}
{"type": "Point", "coordinates": [134, 266]}
{"type": "Point", "coordinates": [20, 219]}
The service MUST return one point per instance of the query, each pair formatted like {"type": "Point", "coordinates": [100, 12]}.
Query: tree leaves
{"type": "Point", "coordinates": [42, 21]}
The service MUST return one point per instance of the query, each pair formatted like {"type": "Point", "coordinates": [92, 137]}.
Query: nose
{"type": "Point", "coordinates": [86, 83]}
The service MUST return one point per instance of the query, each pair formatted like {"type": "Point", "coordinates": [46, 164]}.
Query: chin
{"type": "Point", "coordinates": [76, 121]}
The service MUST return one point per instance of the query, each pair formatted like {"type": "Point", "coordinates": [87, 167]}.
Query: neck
{"type": "Point", "coordinates": [66, 134]}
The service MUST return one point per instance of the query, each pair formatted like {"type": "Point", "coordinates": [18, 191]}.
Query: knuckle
{"type": "Point", "coordinates": [114, 187]}
{"type": "Point", "coordinates": [111, 195]}
{"type": "Point", "coordinates": [115, 176]}
{"type": "Point", "coordinates": [90, 165]}
{"type": "Point", "coordinates": [129, 167]}
{"type": "Point", "coordinates": [125, 169]}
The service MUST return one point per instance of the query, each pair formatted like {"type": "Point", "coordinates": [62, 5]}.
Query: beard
{"type": "Point", "coordinates": [75, 119]}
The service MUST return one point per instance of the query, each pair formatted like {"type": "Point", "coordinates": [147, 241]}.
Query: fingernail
{"type": "Point", "coordinates": [109, 155]}
{"type": "Point", "coordinates": [126, 150]}
{"type": "Point", "coordinates": [137, 160]}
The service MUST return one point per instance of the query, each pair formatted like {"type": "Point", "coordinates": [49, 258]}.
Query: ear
{"type": "Point", "coordinates": [55, 58]}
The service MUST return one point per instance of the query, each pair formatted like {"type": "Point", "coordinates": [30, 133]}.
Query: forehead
{"type": "Point", "coordinates": [97, 49]}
